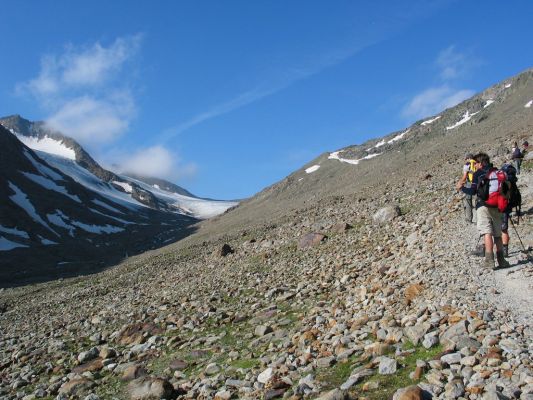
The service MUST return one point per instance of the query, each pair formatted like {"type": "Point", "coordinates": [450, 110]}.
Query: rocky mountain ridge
{"type": "Point", "coordinates": [337, 283]}
{"type": "Point", "coordinates": [52, 226]}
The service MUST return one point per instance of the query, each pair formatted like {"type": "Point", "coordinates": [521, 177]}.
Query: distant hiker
{"type": "Point", "coordinates": [466, 181]}
{"type": "Point", "coordinates": [516, 156]}
{"type": "Point", "coordinates": [487, 183]}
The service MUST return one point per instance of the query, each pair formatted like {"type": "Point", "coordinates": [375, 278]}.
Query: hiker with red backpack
{"type": "Point", "coordinates": [490, 204]}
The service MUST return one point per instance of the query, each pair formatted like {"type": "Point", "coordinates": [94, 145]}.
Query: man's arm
{"type": "Point", "coordinates": [461, 182]}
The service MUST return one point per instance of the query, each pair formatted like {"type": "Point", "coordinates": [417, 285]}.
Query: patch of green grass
{"type": "Point", "coordinates": [113, 388]}
{"type": "Point", "coordinates": [159, 364]}
{"type": "Point", "coordinates": [527, 165]}
{"type": "Point", "coordinates": [388, 384]}
{"type": "Point", "coordinates": [245, 363]}
{"type": "Point", "coordinates": [337, 374]}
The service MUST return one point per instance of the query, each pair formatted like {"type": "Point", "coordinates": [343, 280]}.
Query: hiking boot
{"type": "Point", "coordinates": [502, 262]}
{"type": "Point", "coordinates": [488, 262]}
{"type": "Point", "coordinates": [506, 250]}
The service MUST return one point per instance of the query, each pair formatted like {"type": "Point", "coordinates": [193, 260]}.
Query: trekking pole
{"type": "Point", "coordinates": [526, 251]}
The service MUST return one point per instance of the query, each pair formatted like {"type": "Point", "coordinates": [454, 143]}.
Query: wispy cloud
{"type": "Point", "coordinates": [220, 109]}
{"type": "Point", "coordinates": [433, 100]}
{"type": "Point", "coordinates": [94, 120]}
{"type": "Point", "coordinates": [82, 91]}
{"type": "Point", "coordinates": [155, 161]}
{"type": "Point", "coordinates": [289, 77]}
{"type": "Point", "coordinates": [451, 66]}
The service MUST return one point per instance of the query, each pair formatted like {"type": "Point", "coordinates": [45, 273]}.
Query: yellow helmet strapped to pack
{"type": "Point", "coordinates": [471, 169]}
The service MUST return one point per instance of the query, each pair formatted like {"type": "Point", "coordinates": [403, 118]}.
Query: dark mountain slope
{"type": "Point", "coordinates": [52, 226]}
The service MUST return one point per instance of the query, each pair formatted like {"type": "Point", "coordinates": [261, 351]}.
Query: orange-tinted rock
{"type": "Point", "coordinates": [412, 292]}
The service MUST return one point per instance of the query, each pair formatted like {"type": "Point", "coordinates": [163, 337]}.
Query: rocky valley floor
{"type": "Point", "coordinates": [371, 308]}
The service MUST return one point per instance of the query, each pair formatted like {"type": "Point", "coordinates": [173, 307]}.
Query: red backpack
{"type": "Point", "coordinates": [498, 189]}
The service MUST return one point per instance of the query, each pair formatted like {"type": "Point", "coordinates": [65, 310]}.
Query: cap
{"type": "Point", "coordinates": [525, 143]}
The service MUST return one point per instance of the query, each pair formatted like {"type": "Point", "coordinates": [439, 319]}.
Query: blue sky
{"type": "Point", "coordinates": [227, 97]}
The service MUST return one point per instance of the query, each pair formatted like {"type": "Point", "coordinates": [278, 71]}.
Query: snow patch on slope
{"type": "Point", "coordinates": [430, 121]}
{"type": "Point", "coordinates": [335, 156]}
{"type": "Point", "coordinates": [466, 117]}
{"type": "Point", "coordinates": [59, 219]}
{"type": "Point", "coordinates": [50, 185]}
{"type": "Point", "coordinates": [47, 144]}
{"type": "Point", "coordinates": [91, 181]}
{"type": "Point", "coordinates": [107, 206]}
{"type": "Point", "coordinates": [312, 169]}
{"type": "Point", "coordinates": [21, 200]}
{"type": "Point", "coordinates": [488, 103]}
{"type": "Point", "coordinates": [6, 245]}
{"type": "Point", "coordinates": [528, 104]}
{"type": "Point", "coordinates": [15, 232]}
{"type": "Point", "coordinates": [398, 137]}
{"type": "Point", "coordinates": [98, 229]}
{"type": "Point", "coordinates": [126, 186]}
{"type": "Point", "coordinates": [43, 169]}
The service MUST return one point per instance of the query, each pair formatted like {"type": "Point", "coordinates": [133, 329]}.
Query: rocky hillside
{"type": "Point", "coordinates": [346, 281]}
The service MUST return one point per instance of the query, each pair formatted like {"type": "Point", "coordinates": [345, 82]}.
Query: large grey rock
{"type": "Point", "coordinates": [149, 388]}
{"type": "Point", "coordinates": [416, 333]}
{"type": "Point", "coordinates": [387, 366]}
{"type": "Point", "coordinates": [88, 355]}
{"type": "Point", "coordinates": [452, 358]}
{"type": "Point", "coordinates": [386, 214]}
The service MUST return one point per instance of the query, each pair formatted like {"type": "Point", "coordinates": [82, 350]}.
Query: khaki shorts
{"type": "Point", "coordinates": [489, 220]}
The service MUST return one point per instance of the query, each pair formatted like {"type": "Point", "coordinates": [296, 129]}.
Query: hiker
{"type": "Point", "coordinates": [516, 156]}
{"type": "Point", "coordinates": [489, 217]}
{"type": "Point", "coordinates": [466, 181]}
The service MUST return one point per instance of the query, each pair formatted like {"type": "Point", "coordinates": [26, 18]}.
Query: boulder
{"type": "Point", "coordinates": [178, 365]}
{"type": "Point", "coordinates": [133, 372]}
{"type": "Point", "coordinates": [412, 292]}
{"type": "Point", "coordinates": [387, 366]}
{"type": "Point", "coordinates": [137, 333]}
{"type": "Point", "coordinates": [91, 366]}
{"type": "Point", "coordinates": [386, 214]}
{"type": "Point", "coordinates": [148, 388]}
{"type": "Point", "coordinates": [226, 250]}
{"type": "Point", "coordinates": [75, 386]}
{"type": "Point", "coordinates": [409, 393]}
{"type": "Point", "coordinates": [311, 240]}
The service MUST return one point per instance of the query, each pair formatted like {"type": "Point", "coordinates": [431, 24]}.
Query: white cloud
{"type": "Point", "coordinates": [156, 161]}
{"type": "Point", "coordinates": [452, 64]}
{"type": "Point", "coordinates": [433, 100]}
{"type": "Point", "coordinates": [83, 93]}
{"type": "Point", "coordinates": [94, 121]}
{"type": "Point", "coordinates": [83, 68]}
